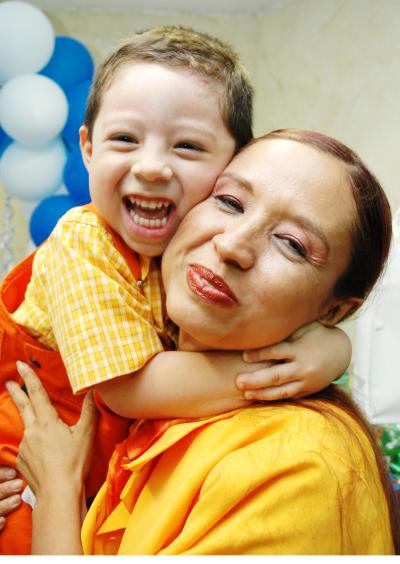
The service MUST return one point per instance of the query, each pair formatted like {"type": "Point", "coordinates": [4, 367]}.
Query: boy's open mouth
{"type": "Point", "coordinates": [148, 212]}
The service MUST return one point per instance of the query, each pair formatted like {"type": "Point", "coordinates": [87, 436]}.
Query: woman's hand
{"type": "Point", "coordinates": [51, 450]}
{"type": "Point", "coordinates": [303, 364]}
{"type": "Point", "coordinates": [54, 459]}
{"type": "Point", "coordinates": [10, 489]}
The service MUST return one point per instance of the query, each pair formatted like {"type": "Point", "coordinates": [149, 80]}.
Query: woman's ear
{"type": "Point", "coordinates": [85, 145]}
{"type": "Point", "coordinates": [339, 309]}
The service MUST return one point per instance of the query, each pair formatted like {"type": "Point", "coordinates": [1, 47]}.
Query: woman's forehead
{"type": "Point", "coordinates": [292, 167]}
{"type": "Point", "coordinates": [297, 179]}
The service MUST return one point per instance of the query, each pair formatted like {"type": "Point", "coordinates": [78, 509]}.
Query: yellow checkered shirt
{"type": "Point", "coordinates": [83, 301]}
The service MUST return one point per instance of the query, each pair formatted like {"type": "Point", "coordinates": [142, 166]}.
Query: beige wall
{"type": "Point", "coordinates": [331, 65]}
{"type": "Point", "coordinates": [334, 65]}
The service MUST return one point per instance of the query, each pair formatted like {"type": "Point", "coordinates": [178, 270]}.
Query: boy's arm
{"type": "Point", "coordinates": [303, 364]}
{"type": "Point", "coordinates": [193, 384]}
{"type": "Point", "coordinates": [179, 384]}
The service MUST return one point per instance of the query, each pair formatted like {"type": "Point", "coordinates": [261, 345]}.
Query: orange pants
{"type": "Point", "coordinates": [16, 344]}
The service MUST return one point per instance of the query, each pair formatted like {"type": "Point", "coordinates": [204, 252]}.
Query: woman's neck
{"type": "Point", "coordinates": [189, 344]}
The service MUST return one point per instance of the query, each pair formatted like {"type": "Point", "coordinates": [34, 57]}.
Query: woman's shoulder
{"type": "Point", "coordinates": [311, 427]}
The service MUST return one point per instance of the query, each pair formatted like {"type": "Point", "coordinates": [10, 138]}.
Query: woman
{"type": "Point", "coordinates": [271, 251]}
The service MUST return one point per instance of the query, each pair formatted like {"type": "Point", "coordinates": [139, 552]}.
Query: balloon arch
{"type": "Point", "coordinates": [44, 84]}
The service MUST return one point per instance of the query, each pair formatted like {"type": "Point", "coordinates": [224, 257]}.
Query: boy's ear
{"type": "Point", "coordinates": [338, 309]}
{"type": "Point", "coordinates": [85, 145]}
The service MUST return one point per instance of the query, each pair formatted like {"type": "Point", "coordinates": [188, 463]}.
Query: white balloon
{"type": "Point", "coordinates": [26, 39]}
{"type": "Point", "coordinates": [33, 173]}
{"type": "Point", "coordinates": [33, 109]}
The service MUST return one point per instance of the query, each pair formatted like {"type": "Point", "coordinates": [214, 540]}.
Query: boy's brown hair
{"type": "Point", "coordinates": [181, 47]}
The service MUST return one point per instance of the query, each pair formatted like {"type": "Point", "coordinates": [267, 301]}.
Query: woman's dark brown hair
{"type": "Point", "coordinates": [371, 238]}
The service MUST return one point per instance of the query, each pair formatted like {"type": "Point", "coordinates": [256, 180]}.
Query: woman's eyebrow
{"type": "Point", "coordinates": [300, 219]}
{"type": "Point", "coordinates": [238, 180]}
{"type": "Point", "coordinates": [314, 228]}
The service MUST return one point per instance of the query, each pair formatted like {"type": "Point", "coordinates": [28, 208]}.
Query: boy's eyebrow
{"type": "Point", "coordinates": [194, 127]}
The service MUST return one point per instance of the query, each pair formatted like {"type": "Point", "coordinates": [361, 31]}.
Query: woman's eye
{"type": "Point", "coordinates": [295, 246]}
{"type": "Point", "coordinates": [231, 203]}
{"type": "Point", "coordinates": [188, 146]}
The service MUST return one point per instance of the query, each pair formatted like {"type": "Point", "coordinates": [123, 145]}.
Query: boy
{"type": "Point", "coordinates": [167, 111]}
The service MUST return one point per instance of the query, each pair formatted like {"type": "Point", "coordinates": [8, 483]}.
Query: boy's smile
{"type": "Point", "coordinates": [151, 217]}
{"type": "Point", "coordinates": [159, 143]}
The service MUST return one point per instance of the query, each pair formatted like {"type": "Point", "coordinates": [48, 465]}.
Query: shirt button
{"type": "Point", "coordinates": [34, 363]}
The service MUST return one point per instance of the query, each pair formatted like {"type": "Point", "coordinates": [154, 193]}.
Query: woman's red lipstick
{"type": "Point", "coordinates": [208, 285]}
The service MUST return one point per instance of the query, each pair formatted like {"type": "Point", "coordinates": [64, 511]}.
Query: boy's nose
{"type": "Point", "coordinates": [152, 171]}
{"type": "Point", "coordinates": [235, 248]}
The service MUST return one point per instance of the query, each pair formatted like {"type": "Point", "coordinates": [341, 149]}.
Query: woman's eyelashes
{"type": "Point", "coordinates": [293, 245]}
{"type": "Point", "coordinates": [229, 203]}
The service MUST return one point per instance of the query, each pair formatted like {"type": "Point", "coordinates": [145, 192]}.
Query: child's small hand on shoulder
{"type": "Point", "coordinates": [305, 363]}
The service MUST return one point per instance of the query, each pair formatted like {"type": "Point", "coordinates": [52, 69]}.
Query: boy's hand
{"type": "Point", "coordinates": [304, 364]}
{"type": "Point", "coordinates": [10, 488]}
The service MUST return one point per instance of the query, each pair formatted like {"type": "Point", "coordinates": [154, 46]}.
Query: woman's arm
{"type": "Point", "coordinates": [54, 459]}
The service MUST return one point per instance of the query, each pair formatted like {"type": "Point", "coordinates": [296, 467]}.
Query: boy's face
{"type": "Point", "coordinates": [159, 142]}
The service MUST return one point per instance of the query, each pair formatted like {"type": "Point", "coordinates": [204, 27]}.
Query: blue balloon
{"type": "Point", "coordinates": [76, 178]}
{"type": "Point", "coordinates": [5, 141]}
{"type": "Point", "coordinates": [77, 98]}
{"type": "Point", "coordinates": [46, 215]}
{"type": "Point", "coordinates": [70, 64]}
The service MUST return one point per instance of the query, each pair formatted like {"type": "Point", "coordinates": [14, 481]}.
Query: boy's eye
{"type": "Point", "coordinates": [123, 138]}
{"type": "Point", "coordinates": [189, 146]}
{"type": "Point", "coordinates": [230, 203]}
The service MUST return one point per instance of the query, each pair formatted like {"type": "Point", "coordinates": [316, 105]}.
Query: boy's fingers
{"type": "Point", "coordinates": [279, 351]}
{"type": "Point", "coordinates": [287, 391]}
{"type": "Point", "coordinates": [37, 394]}
{"type": "Point", "coordinates": [22, 402]}
{"type": "Point", "coordinates": [276, 375]}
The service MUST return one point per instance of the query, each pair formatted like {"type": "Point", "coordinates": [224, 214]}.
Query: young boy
{"type": "Point", "coordinates": [167, 111]}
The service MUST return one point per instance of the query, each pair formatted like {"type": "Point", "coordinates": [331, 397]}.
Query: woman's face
{"type": "Point", "coordinates": [260, 256]}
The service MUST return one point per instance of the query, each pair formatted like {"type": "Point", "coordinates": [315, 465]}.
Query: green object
{"type": "Point", "coordinates": [389, 441]}
{"type": "Point", "coordinates": [344, 381]}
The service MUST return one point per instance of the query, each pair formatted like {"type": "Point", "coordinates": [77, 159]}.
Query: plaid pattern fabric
{"type": "Point", "coordinates": [83, 301]}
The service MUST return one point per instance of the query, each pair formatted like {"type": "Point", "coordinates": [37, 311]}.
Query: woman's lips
{"type": "Point", "coordinates": [209, 286]}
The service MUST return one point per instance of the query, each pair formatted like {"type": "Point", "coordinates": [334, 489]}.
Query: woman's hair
{"type": "Point", "coordinates": [371, 237]}
{"type": "Point", "coordinates": [183, 48]}
{"type": "Point", "coordinates": [333, 395]}
{"type": "Point", "coordinates": [372, 229]}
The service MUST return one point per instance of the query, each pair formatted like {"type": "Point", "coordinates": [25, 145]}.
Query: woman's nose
{"type": "Point", "coordinates": [235, 248]}
{"type": "Point", "coordinates": [152, 168]}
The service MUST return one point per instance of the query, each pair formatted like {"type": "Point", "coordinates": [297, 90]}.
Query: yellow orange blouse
{"type": "Point", "coordinates": [262, 480]}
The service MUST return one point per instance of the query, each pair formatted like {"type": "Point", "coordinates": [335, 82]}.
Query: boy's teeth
{"type": "Point", "coordinates": [148, 204]}
{"type": "Point", "coordinates": [149, 222]}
